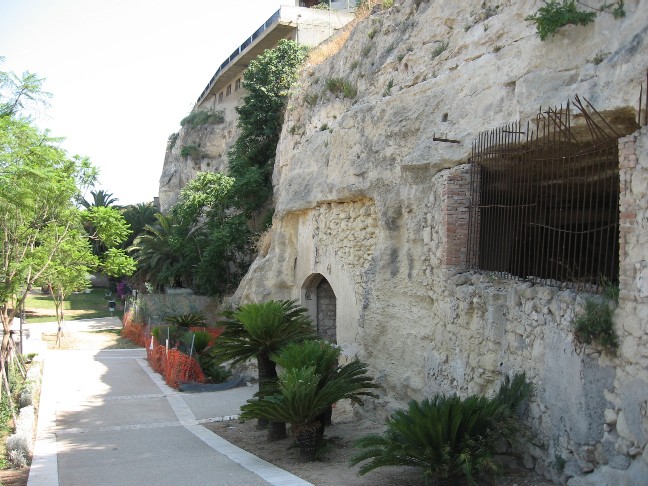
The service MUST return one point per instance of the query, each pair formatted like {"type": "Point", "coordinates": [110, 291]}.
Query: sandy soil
{"type": "Point", "coordinates": [333, 469]}
{"type": "Point", "coordinates": [14, 477]}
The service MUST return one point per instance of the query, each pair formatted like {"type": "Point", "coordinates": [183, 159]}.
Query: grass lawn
{"type": "Point", "coordinates": [39, 307]}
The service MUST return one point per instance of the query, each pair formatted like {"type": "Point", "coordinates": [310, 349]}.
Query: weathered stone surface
{"type": "Point", "coordinates": [361, 196]}
{"type": "Point", "coordinates": [420, 329]}
{"type": "Point", "coordinates": [213, 142]}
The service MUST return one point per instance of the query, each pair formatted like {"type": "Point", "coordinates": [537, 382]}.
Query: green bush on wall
{"type": "Point", "coordinates": [190, 150]}
{"type": "Point", "coordinates": [555, 14]}
{"type": "Point", "coordinates": [198, 118]}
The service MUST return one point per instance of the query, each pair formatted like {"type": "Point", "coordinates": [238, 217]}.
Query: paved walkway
{"type": "Point", "coordinates": [106, 419]}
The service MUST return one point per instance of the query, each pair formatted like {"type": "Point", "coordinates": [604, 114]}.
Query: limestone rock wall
{"type": "Point", "coordinates": [362, 197]}
{"type": "Point", "coordinates": [213, 142]}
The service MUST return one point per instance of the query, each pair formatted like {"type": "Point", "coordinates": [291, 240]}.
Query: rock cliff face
{"type": "Point", "coordinates": [212, 141]}
{"type": "Point", "coordinates": [362, 192]}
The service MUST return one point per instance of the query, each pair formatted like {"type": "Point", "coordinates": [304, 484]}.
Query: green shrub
{"type": "Point", "coordinates": [198, 118]}
{"type": "Point", "coordinates": [313, 352]}
{"type": "Point", "coordinates": [596, 325]}
{"type": "Point", "coordinates": [212, 368]}
{"type": "Point", "coordinates": [348, 90]}
{"type": "Point", "coordinates": [447, 436]}
{"type": "Point", "coordinates": [173, 138]}
{"type": "Point", "coordinates": [195, 342]}
{"type": "Point", "coordinates": [322, 5]}
{"type": "Point", "coordinates": [190, 150]}
{"type": "Point", "coordinates": [340, 86]}
{"type": "Point", "coordinates": [190, 319]}
{"type": "Point", "coordinates": [173, 333]}
{"type": "Point", "coordinates": [555, 14]}
{"type": "Point", "coordinates": [335, 85]}
{"type": "Point", "coordinates": [301, 400]}
{"type": "Point", "coordinates": [311, 99]}
{"type": "Point", "coordinates": [441, 46]}
{"type": "Point", "coordinates": [388, 88]}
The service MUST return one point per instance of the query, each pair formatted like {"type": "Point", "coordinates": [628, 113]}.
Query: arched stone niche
{"type": "Point", "coordinates": [318, 296]}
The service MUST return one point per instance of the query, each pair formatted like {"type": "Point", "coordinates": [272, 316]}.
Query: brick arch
{"type": "Point", "coordinates": [319, 298]}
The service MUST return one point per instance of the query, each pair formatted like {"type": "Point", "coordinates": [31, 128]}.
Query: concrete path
{"type": "Point", "coordinates": [106, 419]}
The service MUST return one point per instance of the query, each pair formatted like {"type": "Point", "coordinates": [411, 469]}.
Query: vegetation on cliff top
{"type": "Point", "coordinates": [206, 241]}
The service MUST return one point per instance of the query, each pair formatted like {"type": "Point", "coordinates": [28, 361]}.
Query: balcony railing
{"type": "Point", "coordinates": [274, 18]}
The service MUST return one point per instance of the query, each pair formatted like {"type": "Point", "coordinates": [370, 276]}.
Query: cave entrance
{"type": "Point", "coordinates": [319, 298]}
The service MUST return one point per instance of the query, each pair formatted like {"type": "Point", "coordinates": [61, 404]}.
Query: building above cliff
{"type": "Point", "coordinates": [308, 26]}
{"type": "Point", "coordinates": [224, 92]}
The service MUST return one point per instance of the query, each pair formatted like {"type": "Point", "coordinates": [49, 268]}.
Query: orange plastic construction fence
{"type": "Point", "coordinates": [173, 365]}
{"type": "Point", "coordinates": [133, 331]}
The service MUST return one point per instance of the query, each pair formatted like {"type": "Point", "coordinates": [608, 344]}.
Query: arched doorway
{"type": "Point", "coordinates": [326, 309]}
{"type": "Point", "coordinates": [319, 298]}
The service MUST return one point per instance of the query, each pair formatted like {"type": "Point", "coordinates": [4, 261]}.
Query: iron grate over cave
{"type": "Point", "coordinates": [545, 200]}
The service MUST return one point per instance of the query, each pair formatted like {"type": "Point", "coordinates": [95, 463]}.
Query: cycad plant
{"type": "Point", "coordinates": [324, 357]}
{"type": "Point", "coordinates": [191, 319]}
{"type": "Point", "coordinates": [318, 353]}
{"type": "Point", "coordinates": [258, 331]}
{"type": "Point", "coordinates": [446, 436]}
{"type": "Point", "coordinates": [301, 400]}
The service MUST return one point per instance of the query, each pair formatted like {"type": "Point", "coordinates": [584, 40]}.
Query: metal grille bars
{"type": "Point", "coordinates": [545, 200]}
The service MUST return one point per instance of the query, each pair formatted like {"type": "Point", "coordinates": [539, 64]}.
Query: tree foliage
{"type": "Point", "coordinates": [138, 216]}
{"type": "Point", "coordinates": [41, 228]}
{"type": "Point", "coordinates": [38, 183]}
{"type": "Point", "coordinates": [205, 241]}
{"type": "Point", "coordinates": [18, 93]}
{"type": "Point", "coordinates": [267, 81]}
{"type": "Point", "coordinates": [99, 198]}
{"type": "Point", "coordinates": [165, 253]}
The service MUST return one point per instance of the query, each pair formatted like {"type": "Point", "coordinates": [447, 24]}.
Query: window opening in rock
{"type": "Point", "coordinates": [545, 200]}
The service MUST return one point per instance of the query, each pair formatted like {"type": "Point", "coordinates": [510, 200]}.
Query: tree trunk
{"type": "Point", "coordinates": [324, 419]}
{"type": "Point", "coordinates": [7, 318]}
{"type": "Point", "coordinates": [307, 441]}
{"type": "Point", "coordinates": [267, 381]}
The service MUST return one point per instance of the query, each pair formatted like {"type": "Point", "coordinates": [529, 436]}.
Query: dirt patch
{"type": "Point", "coordinates": [14, 477]}
{"type": "Point", "coordinates": [333, 469]}
{"type": "Point", "coordinates": [106, 339]}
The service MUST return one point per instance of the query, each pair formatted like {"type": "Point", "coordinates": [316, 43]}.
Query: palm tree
{"type": "Point", "coordinates": [163, 253]}
{"type": "Point", "coordinates": [318, 353]}
{"type": "Point", "coordinates": [259, 331]}
{"type": "Point", "coordinates": [447, 436]}
{"type": "Point", "coordinates": [99, 198]}
{"type": "Point", "coordinates": [138, 216]}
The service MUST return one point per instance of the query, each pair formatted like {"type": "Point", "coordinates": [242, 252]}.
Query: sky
{"type": "Point", "coordinates": [123, 73]}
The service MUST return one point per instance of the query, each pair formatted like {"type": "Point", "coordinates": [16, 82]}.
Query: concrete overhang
{"type": "Point", "coordinates": [235, 69]}
{"type": "Point", "coordinates": [283, 24]}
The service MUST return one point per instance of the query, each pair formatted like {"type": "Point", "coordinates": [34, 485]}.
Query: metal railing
{"type": "Point", "coordinates": [274, 18]}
